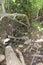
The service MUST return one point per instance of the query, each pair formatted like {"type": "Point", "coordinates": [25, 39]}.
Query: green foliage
{"type": "Point", "coordinates": [37, 26]}
{"type": "Point", "coordinates": [9, 6]}
{"type": "Point", "coordinates": [28, 5]}
{"type": "Point", "coordinates": [0, 8]}
{"type": "Point", "coordinates": [36, 3]}
{"type": "Point", "coordinates": [14, 1]}
{"type": "Point", "coordinates": [24, 6]}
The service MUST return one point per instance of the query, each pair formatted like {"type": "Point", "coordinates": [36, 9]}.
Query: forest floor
{"type": "Point", "coordinates": [32, 52]}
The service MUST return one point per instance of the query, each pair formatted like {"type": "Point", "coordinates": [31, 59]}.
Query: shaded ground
{"type": "Point", "coordinates": [20, 31]}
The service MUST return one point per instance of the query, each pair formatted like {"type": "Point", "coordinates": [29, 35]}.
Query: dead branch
{"type": "Point", "coordinates": [34, 56]}
{"type": "Point", "coordinates": [2, 4]}
{"type": "Point", "coordinates": [14, 17]}
{"type": "Point", "coordinates": [2, 15]}
{"type": "Point", "coordinates": [12, 37]}
{"type": "Point", "coordinates": [38, 18]}
{"type": "Point", "coordinates": [23, 15]}
{"type": "Point", "coordinates": [23, 37]}
{"type": "Point", "coordinates": [3, 9]}
{"type": "Point", "coordinates": [39, 40]}
{"type": "Point", "coordinates": [27, 48]}
{"type": "Point", "coordinates": [20, 22]}
{"type": "Point", "coordinates": [37, 55]}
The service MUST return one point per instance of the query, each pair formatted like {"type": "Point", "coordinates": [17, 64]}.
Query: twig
{"type": "Point", "coordinates": [14, 17]}
{"type": "Point", "coordinates": [7, 15]}
{"type": "Point", "coordinates": [20, 22]}
{"type": "Point", "coordinates": [23, 37]}
{"type": "Point", "coordinates": [38, 41]}
{"type": "Point", "coordinates": [37, 55]}
{"type": "Point", "coordinates": [9, 36]}
{"type": "Point", "coordinates": [3, 8]}
{"type": "Point", "coordinates": [27, 48]}
{"type": "Point", "coordinates": [34, 56]}
{"type": "Point", "coordinates": [38, 18]}
{"type": "Point", "coordinates": [31, 49]}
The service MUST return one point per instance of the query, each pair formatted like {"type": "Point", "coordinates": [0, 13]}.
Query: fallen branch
{"type": "Point", "coordinates": [27, 48]}
{"type": "Point", "coordinates": [38, 41]}
{"type": "Point", "coordinates": [38, 18]}
{"type": "Point", "coordinates": [7, 15]}
{"type": "Point", "coordinates": [23, 37]}
{"type": "Point", "coordinates": [37, 55]}
{"type": "Point", "coordinates": [34, 56]}
{"type": "Point", "coordinates": [14, 15]}
{"type": "Point", "coordinates": [12, 37]}
{"type": "Point", "coordinates": [20, 22]}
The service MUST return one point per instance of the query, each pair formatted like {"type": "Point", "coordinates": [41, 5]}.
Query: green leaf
{"type": "Point", "coordinates": [14, 1]}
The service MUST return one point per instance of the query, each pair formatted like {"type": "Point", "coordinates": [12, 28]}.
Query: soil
{"type": "Point", "coordinates": [19, 31]}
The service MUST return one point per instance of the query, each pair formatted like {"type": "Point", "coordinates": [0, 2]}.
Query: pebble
{"type": "Point", "coordinates": [11, 58]}
{"type": "Point", "coordinates": [2, 57]}
{"type": "Point", "coordinates": [20, 46]}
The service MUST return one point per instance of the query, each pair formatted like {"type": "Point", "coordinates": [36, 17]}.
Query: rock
{"type": "Point", "coordinates": [2, 57]}
{"type": "Point", "coordinates": [39, 64]}
{"type": "Point", "coordinates": [5, 41]}
{"type": "Point", "coordinates": [27, 41]}
{"type": "Point", "coordinates": [11, 58]}
{"type": "Point", "coordinates": [20, 46]}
